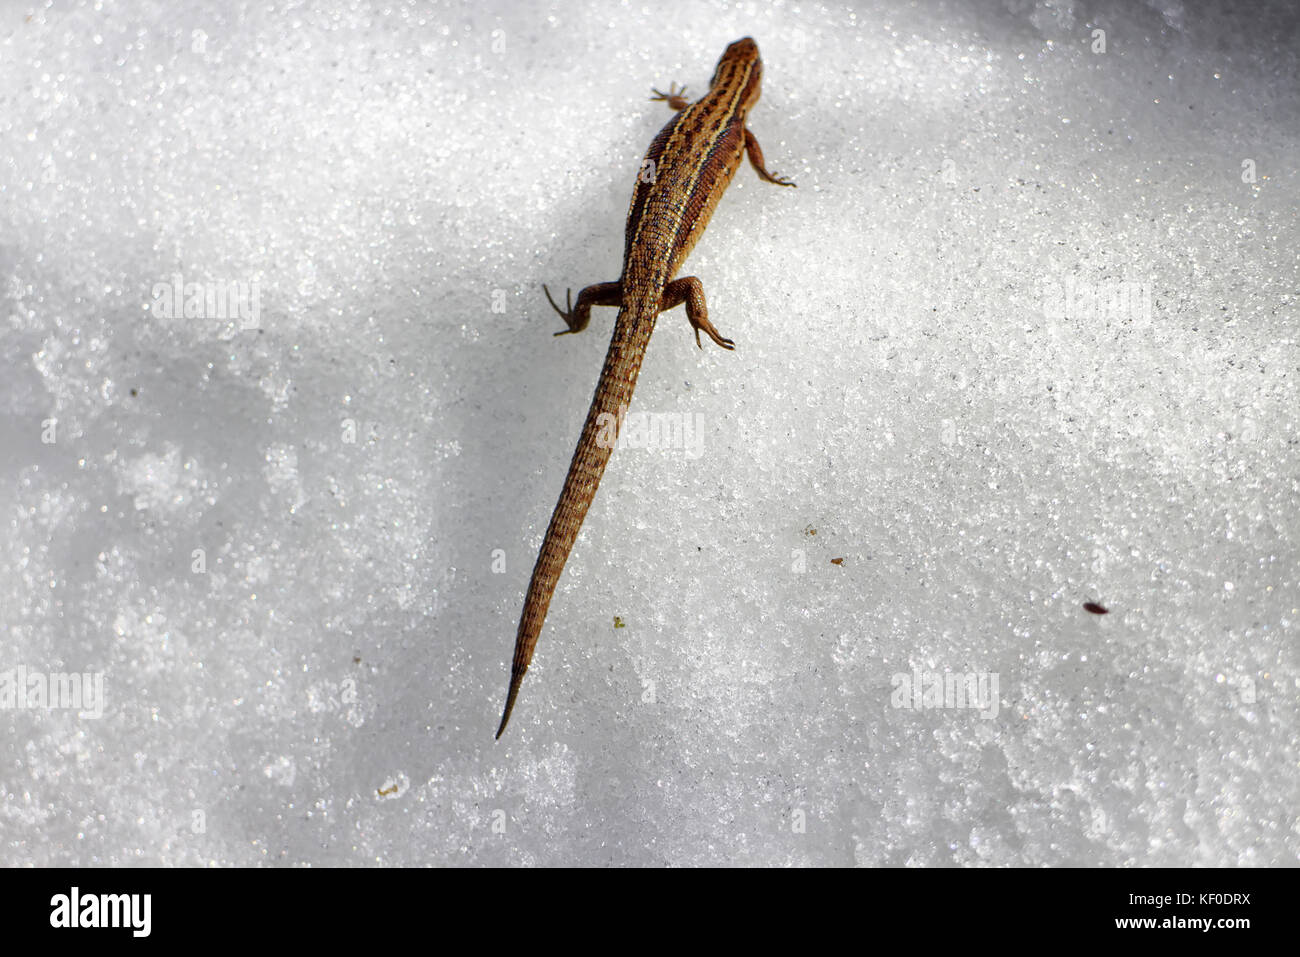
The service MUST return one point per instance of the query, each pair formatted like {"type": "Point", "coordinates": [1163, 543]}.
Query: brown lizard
{"type": "Point", "coordinates": [687, 168]}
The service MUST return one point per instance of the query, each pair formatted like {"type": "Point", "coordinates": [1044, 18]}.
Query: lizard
{"type": "Point", "coordinates": [685, 172]}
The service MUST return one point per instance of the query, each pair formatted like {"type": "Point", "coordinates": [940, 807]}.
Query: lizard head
{"type": "Point", "coordinates": [740, 70]}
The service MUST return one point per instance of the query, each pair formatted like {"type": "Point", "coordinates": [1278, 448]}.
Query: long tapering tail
{"type": "Point", "coordinates": [613, 393]}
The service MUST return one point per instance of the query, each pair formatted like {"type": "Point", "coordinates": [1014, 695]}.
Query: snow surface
{"type": "Point", "coordinates": [293, 541]}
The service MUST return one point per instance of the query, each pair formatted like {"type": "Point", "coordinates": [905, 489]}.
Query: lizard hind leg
{"type": "Point", "coordinates": [691, 291]}
{"type": "Point", "coordinates": [576, 317]}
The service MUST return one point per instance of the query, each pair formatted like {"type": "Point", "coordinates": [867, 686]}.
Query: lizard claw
{"type": "Point", "coordinates": [565, 314]}
{"type": "Point", "coordinates": [713, 334]}
{"type": "Point", "coordinates": [700, 324]}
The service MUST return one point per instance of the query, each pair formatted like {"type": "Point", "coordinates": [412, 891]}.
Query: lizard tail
{"type": "Point", "coordinates": [613, 392]}
{"type": "Point", "coordinates": [516, 679]}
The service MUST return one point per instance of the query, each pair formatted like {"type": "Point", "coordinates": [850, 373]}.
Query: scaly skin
{"type": "Point", "coordinates": [684, 174]}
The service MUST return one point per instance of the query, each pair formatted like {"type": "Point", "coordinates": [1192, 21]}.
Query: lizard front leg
{"type": "Point", "coordinates": [691, 291]}
{"type": "Point", "coordinates": [577, 317]}
{"type": "Point", "coordinates": [675, 98]}
{"type": "Point", "coordinates": [756, 160]}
